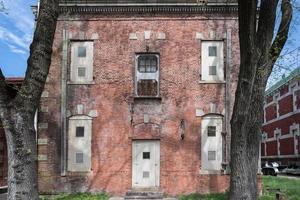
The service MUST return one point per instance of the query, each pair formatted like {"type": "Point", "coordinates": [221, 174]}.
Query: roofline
{"type": "Point", "coordinates": [14, 80]}
{"type": "Point", "coordinates": [283, 81]}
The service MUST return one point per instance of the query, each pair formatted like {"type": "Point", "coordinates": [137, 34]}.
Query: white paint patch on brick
{"type": "Point", "coordinates": [147, 35]}
{"type": "Point", "coordinates": [81, 35]}
{"type": "Point", "coordinates": [146, 119]}
{"type": "Point", "coordinates": [161, 36]}
{"type": "Point", "coordinates": [199, 112]}
{"type": "Point", "coordinates": [80, 108]}
{"type": "Point", "coordinates": [133, 36]}
{"type": "Point", "coordinates": [42, 141]}
{"type": "Point", "coordinates": [95, 36]}
{"type": "Point", "coordinates": [212, 108]}
{"type": "Point", "coordinates": [42, 157]}
{"type": "Point", "coordinates": [93, 113]}
{"type": "Point", "coordinates": [43, 125]}
{"type": "Point", "coordinates": [45, 94]}
{"type": "Point", "coordinates": [199, 36]}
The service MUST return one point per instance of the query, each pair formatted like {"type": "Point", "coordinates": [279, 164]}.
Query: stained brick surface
{"type": "Point", "coordinates": [120, 118]}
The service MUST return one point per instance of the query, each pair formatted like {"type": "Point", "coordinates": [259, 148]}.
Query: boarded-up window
{"type": "Point", "coordinates": [81, 71]}
{"type": "Point", "coordinates": [213, 70]}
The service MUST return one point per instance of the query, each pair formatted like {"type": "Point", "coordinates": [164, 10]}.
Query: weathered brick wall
{"type": "Point", "coordinates": [119, 115]}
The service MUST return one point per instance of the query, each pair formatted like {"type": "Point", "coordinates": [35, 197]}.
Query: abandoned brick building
{"type": "Point", "coordinates": [281, 134]}
{"type": "Point", "coordinates": [139, 96]}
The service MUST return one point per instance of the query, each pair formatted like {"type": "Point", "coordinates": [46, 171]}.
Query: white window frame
{"type": "Point", "coordinates": [295, 136]}
{"type": "Point", "coordinates": [82, 62]}
{"type": "Point", "coordinates": [293, 88]}
{"type": "Point", "coordinates": [147, 75]}
{"type": "Point", "coordinates": [79, 144]}
{"type": "Point", "coordinates": [207, 61]}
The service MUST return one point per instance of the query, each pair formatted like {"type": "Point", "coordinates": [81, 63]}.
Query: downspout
{"type": "Point", "coordinates": [227, 132]}
{"type": "Point", "coordinates": [63, 108]}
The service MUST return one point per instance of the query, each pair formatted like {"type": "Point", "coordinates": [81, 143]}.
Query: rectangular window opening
{"type": "Point", "coordinates": [80, 131]}
{"type": "Point", "coordinates": [79, 158]}
{"type": "Point", "coordinates": [146, 155]}
{"type": "Point", "coordinates": [147, 64]}
{"type": "Point", "coordinates": [212, 51]}
{"type": "Point", "coordinates": [211, 131]}
{"type": "Point", "coordinates": [211, 155]}
{"type": "Point", "coordinates": [81, 71]}
{"type": "Point", "coordinates": [81, 52]}
{"type": "Point", "coordinates": [147, 88]}
{"type": "Point", "coordinates": [213, 70]}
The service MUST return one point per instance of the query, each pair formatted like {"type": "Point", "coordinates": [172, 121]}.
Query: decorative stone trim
{"type": "Point", "coordinates": [133, 36]}
{"type": "Point", "coordinates": [42, 141]}
{"type": "Point", "coordinates": [45, 94]}
{"type": "Point", "coordinates": [131, 9]}
{"type": "Point", "coordinates": [93, 113]}
{"type": "Point", "coordinates": [43, 126]}
{"type": "Point", "coordinates": [42, 157]}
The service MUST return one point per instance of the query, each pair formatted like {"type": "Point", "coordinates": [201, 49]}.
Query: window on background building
{"type": "Point", "coordinates": [294, 93]}
{"type": "Point", "coordinates": [147, 75]}
{"type": "Point", "coordinates": [81, 62]}
{"type": "Point", "coordinates": [79, 143]}
{"type": "Point", "coordinates": [212, 61]}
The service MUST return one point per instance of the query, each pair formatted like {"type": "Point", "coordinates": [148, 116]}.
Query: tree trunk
{"type": "Point", "coordinates": [17, 113]}
{"type": "Point", "coordinates": [22, 154]}
{"type": "Point", "coordinates": [258, 54]}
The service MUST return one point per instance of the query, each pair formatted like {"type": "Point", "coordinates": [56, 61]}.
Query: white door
{"type": "Point", "coordinates": [145, 164]}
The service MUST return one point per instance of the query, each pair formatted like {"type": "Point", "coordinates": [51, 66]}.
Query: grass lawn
{"type": "Point", "coordinates": [290, 188]}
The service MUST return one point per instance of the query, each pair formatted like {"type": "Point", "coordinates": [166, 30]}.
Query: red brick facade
{"type": "Point", "coordinates": [120, 117]}
{"type": "Point", "coordinates": [280, 141]}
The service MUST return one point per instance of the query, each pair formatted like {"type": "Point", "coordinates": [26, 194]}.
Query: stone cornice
{"type": "Point", "coordinates": [153, 9]}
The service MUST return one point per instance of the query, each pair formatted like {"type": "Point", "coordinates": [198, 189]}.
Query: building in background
{"type": "Point", "coordinates": [280, 131]}
{"type": "Point", "coordinates": [14, 84]}
{"type": "Point", "coordinates": [139, 96]}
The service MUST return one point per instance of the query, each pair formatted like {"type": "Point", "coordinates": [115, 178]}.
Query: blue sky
{"type": "Point", "coordinates": [16, 29]}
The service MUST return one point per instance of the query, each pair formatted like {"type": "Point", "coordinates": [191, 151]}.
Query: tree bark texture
{"type": "Point", "coordinates": [259, 51]}
{"type": "Point", "coordinates": [17, 113]}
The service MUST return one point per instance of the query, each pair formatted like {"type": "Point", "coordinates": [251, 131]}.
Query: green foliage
{"type": "Point", "coordinates": [290, 189]}
{"type": "Point", "coordinates": [78, 196]}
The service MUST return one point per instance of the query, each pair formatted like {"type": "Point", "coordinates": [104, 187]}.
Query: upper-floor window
{"type": "Point", "coordinates": [81, 70]}
{"type": "Point", "coordinates": [147, 75]}
{"type": "Point", "coordinates": [212, 61]}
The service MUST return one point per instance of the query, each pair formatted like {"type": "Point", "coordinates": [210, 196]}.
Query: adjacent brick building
{"type": "Point", "coordinates": [14, 83]}
{"type": "Point", "coordinates": [281, 137]}
{"type": "Point", "coordinates": [139, 96]}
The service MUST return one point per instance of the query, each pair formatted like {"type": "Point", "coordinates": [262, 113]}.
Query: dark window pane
{"type": "Point", "coordinates": [212, 51]}
{"type": "Point", "coordinates": [146, 155]}
{"type": "Point", "coordinates": [211, 155]}
{"type": "Point", "coordinates": [147, 88]}
{"type": "Point", "coordinates": [211, 131]}
{"type": "Point", "coordinates": [80, 131]}
{"type": "Point", "coordinates": [147, 64]}
{"type": "Point", "coordinates": [213, 70]}
{"type": "Point", "coordinates": [81, 71]}
{"type": "Point", "coordinates": [79, 157]}
{"type": "Point", "coordinates": [81, 51]}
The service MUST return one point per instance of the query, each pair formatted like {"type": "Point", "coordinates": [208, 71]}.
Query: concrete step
{"type": "Point", "coordinates": [143, 195]}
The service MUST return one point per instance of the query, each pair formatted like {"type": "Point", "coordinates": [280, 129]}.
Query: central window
{"type": "Point", "coordinates": [147, 75]}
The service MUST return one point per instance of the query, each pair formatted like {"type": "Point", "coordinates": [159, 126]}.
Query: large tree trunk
{"type": "Point", "coordinates": [258, 54]}
{"type": "Point", "coordinates": [17, 113]}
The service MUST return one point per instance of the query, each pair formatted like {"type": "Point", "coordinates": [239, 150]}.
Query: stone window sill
{"type": "Point", "coordinates": [211, 82]}
{"type": "Point", "coordinates": [81, 83]}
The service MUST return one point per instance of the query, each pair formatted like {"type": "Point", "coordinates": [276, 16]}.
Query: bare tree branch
{"type": "Point", "coordinates": [282, 34]}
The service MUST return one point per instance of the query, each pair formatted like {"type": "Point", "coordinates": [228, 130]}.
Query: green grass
{"type": "Point", "coordinates": [290, 188]}
{"type": "Point", "coordinates": [78, 196]}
